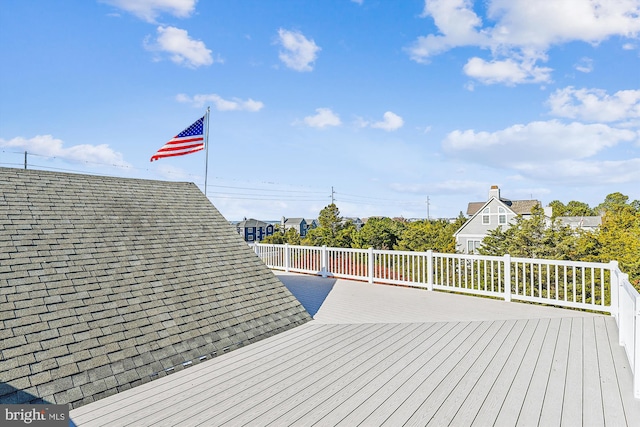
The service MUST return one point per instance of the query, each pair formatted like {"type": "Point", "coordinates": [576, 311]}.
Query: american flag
{"type": "Point", "coordinates": [188, 141]}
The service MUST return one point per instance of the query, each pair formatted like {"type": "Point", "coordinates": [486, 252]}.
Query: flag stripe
{"type": "Point", "coordinates": [173, 153]}
{"type": "Point", "coordinates": [179, 147]}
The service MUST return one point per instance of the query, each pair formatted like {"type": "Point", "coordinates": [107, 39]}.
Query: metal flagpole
{"type": "Point", "coordinates": [206, 165]}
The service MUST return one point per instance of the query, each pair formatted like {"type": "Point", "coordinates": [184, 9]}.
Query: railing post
{"type": "Point", "coordinates": [636, 344]}
{"type": "Point", "coordinates": [371, 265]}
{"type": "Point", "coordinates": [614, 288]}
{"type": "Point", "coordinates": [507, 277]}
{"type": "Point", "coordinates": [287, 257]}
{"type": "Point", "coordinates": [430, 270]}
{"type": "Point", "coordinates": [324, 261]}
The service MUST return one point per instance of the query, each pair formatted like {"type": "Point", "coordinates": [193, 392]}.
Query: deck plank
{"type": "Point", "coordinates": [252, 388]}
{"type": "Point", "coordinates": [512, 405]}
{"type": "Point", "coordinates": [485, 400]}
{"type": "Point", "coordinates": [343, 391]}
{"type": "Point", "coordinates": [534, 398]}
{"type": "Point", "coordinates": [386, 399]}
{"type": "Point", "coordinates": [551, 411]}
{"type": "Point", "coordinates": [441, 410]}
{"type": "Point", "coordinates": [573, 389]}
{"type": "Point", "coordinates": [593, 413]}
{"type": "Point", "coordinates": [611, 403]}
{"type": "Point", "coordinates": [303, 390]}
{"type": "Point", "coordinates": [462, 406]}
{"type": "Point", "coordinates": [447, 373]}
{"type": "Point", "coordinates": [351, 407]}
{"type": "Point", "coordinates": [623, 373]}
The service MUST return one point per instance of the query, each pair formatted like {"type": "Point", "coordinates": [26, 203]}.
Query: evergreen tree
{"type": "Point", "coordinates": [379, 233]}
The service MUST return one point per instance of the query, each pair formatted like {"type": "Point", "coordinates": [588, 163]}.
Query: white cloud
{"type": "Point", "coordinates": [535, 143]}
{"type": "Point", "coordinates": [509, 71]}
{"type": "Point", "coordinates": [149, 10]}
{"type": "Point", "coordinates": [390, 122]}
{"type": "Point", "coordinates": [586, 172]}
{"type": "Point", "coordinates": [549, 151]}
{"type": "Point", "coordinates": [221, 104]}
{"type": "Point", "coordinates": [561, 21]}
{"type": "Point", "coordinates": [358, 1]}
{"type": "Point", "coordinates": [181, 48]}
{"type": "Point", "coordinates": [458, 24]}
{"type": "Point", "coordinates": [520, 34]}
{"type": "Point", "coordinates": [324, 117]}
{"type": "Point", "coordinates": [48, 146]}
{"type": "Point", "coordinates": [298, 52]}
{"type": "Point", "coordinates": [585, 65]}
{"type": "Point", "coordinates": [595, 105]}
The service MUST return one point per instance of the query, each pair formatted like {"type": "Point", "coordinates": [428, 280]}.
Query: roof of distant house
{"type": "Point", "coordinates": [249, 223]}
{"type": "Point", "coordinates": [520, 207]}
{"type": "Point", "coordinates": [581, 221]}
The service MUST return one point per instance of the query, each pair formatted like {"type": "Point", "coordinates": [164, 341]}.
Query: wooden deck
{"type": "Point", "coordinates": [382, 355]}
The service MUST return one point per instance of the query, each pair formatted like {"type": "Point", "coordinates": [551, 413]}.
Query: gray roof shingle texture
{"type": "Point", "coordinates": [519, 207]}
{"type": "Point", "coordinates": [108, 283]}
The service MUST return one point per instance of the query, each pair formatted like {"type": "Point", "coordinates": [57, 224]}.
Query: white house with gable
{"type": "Point", "coordinates": [486, 216]}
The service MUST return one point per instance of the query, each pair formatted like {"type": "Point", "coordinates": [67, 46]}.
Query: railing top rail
{"type": "Point", "coordinates": [468, 256]}
{"type": "Point", "coordinates": [541, 261]}
{"type": "Point", "coordinates": [567, 263]}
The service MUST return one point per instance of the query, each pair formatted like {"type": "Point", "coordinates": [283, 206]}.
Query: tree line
{"type": "Point", "coordinates": [618, 238]}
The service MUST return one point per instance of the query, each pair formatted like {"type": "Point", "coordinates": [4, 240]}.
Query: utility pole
{"type": "Point", "coordinates": [428, 208]}
{"type": "Point", "coordinates": [332, 194]}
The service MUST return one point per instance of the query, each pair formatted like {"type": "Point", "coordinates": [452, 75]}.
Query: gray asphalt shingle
{"type": "Point", "coordinates": [106, 282]}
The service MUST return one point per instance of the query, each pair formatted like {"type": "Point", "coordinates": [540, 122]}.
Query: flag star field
{"type": "Point", "coordinates": [381, 105]}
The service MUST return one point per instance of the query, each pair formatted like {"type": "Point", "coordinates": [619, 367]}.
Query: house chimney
{"type": "Point", "coordinates": [494, 192]}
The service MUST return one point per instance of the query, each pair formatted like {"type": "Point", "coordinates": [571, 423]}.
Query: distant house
{"type": "Point", "coordinates": [253, 230]}
{"type": "Point", "coordinates": [356, 221]}
{"type": "Point", "coordinates": [587, 223]}
{"type": "Point", "coordinates": [489, 215]}
{"type": "Point", "coordinates": [312, 223]}
{"type": "Point", "coordinates": [298, 224]}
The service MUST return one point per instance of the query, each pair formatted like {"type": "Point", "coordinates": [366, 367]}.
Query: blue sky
{"type": "Point", "coordinates": [387, 102]}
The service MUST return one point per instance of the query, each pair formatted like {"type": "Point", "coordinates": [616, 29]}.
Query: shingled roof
{"type": "Point", "coordinates": [108, 283]}
{"type": "Point", "coordinates": [519, 207]}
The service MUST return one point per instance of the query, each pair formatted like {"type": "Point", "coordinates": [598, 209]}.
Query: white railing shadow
{"type": "Point", "coordinates": [591, 286]}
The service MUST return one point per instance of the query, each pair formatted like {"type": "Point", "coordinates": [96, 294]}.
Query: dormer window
{"type": "Point", "coordinates": [486, 219]}
{"type": "Point", "coordinates": [502, 216]}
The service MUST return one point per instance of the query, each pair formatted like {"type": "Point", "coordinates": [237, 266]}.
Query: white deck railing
{"type": "Point", "coordinates": [572, 284]}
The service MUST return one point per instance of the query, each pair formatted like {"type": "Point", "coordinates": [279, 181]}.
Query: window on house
{"type": "Point", "coordinates": [502, 216]}
{"type": "Point", "coordinates": [472, 246]}
{"type": "Point", "coordinates": [486, 219]}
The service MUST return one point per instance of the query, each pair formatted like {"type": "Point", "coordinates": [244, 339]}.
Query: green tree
{"type": "Point", "coordinates": [436, 235]}
{"type": "Point", "coordinates": [276, 238]}
{"type": "Point", "coordinates": [618, 238]}
{"type": "Point", "coordinates": [573, 208]}
{"type": "Point", "coordinates": [532, 237]}
{"type": "Point", "coordinates": [379, 233]}
{"type": "Point", "coordinates": [613, 202]}
{"type": "Point", "coordinates": [332, 230]}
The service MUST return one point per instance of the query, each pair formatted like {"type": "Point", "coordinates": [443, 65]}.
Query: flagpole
{"type": "Point", "coordinates": [206, 164]}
